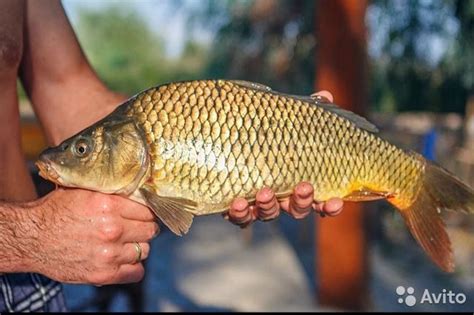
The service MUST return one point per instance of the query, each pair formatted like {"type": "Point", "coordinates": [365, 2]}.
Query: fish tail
{"type": "Point", "coordinates": [440, 191]}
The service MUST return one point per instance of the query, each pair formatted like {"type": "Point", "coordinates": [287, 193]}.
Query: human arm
{"type": "Point", "coordinates": [65, 91]}
{"type": "Point", "coordinates": [76, 236]}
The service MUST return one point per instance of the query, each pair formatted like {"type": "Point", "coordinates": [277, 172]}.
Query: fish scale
{"type": "Point", "coordinates": [190, 148]}
{"type": "Point", "coordinates": [259, 139]}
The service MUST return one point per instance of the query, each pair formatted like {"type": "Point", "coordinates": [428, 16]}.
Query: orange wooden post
{"type": "Point", "coordinates": [341, 69]}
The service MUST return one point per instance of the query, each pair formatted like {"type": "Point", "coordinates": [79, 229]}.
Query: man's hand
{"type": "Point", "coordinates": [89, 237]}
{"type": "Point", "coordinates": [299, 205]}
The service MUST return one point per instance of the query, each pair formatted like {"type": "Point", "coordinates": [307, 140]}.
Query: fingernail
{"type": "Point", "coordinates": [304, 190]}
{"type": "Point", "coordinates": [264, 195]}
{"type": "Point", "coordinates": [333, 206]}
{"type": "Point", "coordinates": [239, 205]}
{"type": "Point", "coordinates": [335, 212]}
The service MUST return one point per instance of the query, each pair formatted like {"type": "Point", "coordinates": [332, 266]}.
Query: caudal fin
{"type": "Point", "coordinates": [441, 191]}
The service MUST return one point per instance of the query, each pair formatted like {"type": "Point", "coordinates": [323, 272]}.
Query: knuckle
{"type": "Point", "coordinates": [106, 204]}
{"type": "Point", "coordinates": [111, 231]}
{"type": "Point", "coordinates": [300, 213]}
{"type": "Point", "coordinates": [303, 205]}
{"type": "Point", "coordinates": [269, 215]}
{"type": "Point", "coordinates": [107, 255]}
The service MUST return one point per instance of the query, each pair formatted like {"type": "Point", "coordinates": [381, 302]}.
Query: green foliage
{"type": "Point", "coordinates": [270, 42]}
{"type": "Point", "coordinates": [459, 62]}
{"type": "Point", "coordinates": [406, 74]}
{"type": "Point", "coordinates": [127, 54]}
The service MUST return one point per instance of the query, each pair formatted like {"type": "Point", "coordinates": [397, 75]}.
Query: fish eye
{"type": "Point", "coordinates": [81, 148]}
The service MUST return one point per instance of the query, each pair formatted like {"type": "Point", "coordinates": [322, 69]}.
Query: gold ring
{"type": "Point", "coordinates": [138, 249]}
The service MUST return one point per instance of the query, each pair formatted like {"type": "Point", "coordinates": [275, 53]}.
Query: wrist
{"type": "Point", "coordinates": [35, 222]}
{"type": "Point", "coordinates": [19, 239]}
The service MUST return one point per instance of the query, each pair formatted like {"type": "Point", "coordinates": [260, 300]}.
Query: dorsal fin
{"type": "Point", "coordinates": [359, 121]}
{"type": "Point", "coordinates": [252, 85]}
{"type": "Point", "coordinates": [317, 100]}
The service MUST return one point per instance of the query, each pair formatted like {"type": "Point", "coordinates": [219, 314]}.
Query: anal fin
{"type": "Point", "coordinates": [366, 194]}
{"type": "Point", "coordinates": [170, 210]}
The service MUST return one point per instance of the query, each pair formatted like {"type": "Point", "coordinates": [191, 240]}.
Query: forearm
{"type": "Point", "coordinates": [15, 180]}
{"type": "Point", "coordinates": [19, 241]}
{"type": "Point", "coordinates": [66, 107]}
{"type": "Point", "coordinates": [65, 91]}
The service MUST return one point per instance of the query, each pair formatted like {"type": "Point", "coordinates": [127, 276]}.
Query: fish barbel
{"type": "Point", "coordinates": [189, 148]}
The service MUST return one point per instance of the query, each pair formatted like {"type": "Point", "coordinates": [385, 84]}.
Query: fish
{"type": "Point", "coordinates": [189, 148]}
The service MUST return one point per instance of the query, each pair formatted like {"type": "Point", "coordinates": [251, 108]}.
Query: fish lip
{"type": "Point", "coordinates": [46, 169]}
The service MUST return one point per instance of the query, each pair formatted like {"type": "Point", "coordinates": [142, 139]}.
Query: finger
{"type": "Point", "coordinates": [264, 197]}
{"type": "Point", "coordinates": [302, 200]}
{"type": "Point", "coordinates": [319, 208]}
{"type": "Point", "coordinates": [130, 255]}
{"type": "Point", "coordinates": [239, 212]}
{"type": "Point", "coordinates": [267, 206]}
{"type": "Point", "coordinates": [325, 94]}
{"type": "Point", "coordinates": [285, 205]}
{"type": "Point", "coordinates": [129, 273]}
{"type": "Point", "coordinates": [333, 206]}
{"type": "Point", "coordinates": [137, 212]}
{"type": "Point", "coordinates": [254, 211]}
{"type": "Point", "coordinates": [139, 231]}
{"type": "Point", "coordinates": [252, 216]}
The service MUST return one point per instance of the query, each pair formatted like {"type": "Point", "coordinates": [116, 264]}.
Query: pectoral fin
{"type": "Point", "coordinates": [171, 211]}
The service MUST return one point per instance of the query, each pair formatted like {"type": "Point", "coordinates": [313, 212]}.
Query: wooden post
{"type": "Point", "coordinates": [341, 262]}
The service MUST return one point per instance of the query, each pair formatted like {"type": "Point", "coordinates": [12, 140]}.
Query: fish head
{"type": "Point", "coordinates": [110, 157]}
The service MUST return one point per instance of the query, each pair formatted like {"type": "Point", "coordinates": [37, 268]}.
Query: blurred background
{"type": "Point", "coordinates": [407, 65]}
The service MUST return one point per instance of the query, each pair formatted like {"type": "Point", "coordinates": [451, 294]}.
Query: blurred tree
{"type": "Point", "coordinates": [422, 54]}
{"type": "Point", "coordinates": [459, 62]}
{"type": "Point", "coordinates": [266, 41]}
{"type": "Point", "coordinates": [121, 48]}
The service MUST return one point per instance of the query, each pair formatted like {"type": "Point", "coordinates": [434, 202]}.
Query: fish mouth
{"type": "Point", "coordinates": [47, 171]}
